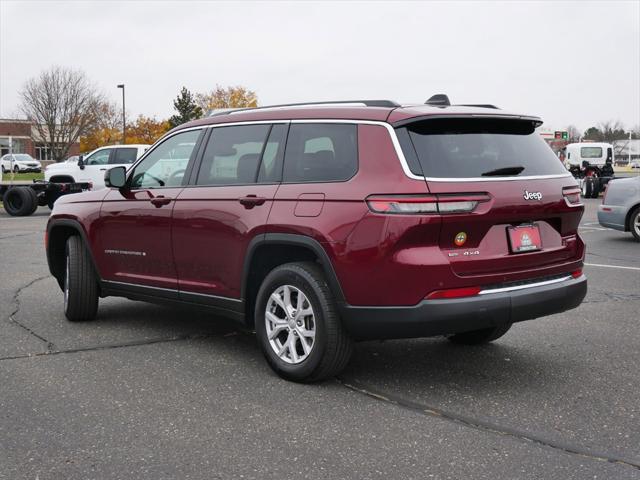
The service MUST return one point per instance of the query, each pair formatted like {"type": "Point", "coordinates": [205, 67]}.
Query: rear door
{"type": "Point", "coordinates": [506, 203]}
{"type": "Point", "coordinates": [225, 206]}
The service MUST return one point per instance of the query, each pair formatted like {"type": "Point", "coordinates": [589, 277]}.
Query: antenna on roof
{"type": "Point", "coordinates": [439, 100]}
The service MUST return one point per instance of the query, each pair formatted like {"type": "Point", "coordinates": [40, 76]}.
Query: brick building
{"type": "Point", "coordinates": [24, 138]}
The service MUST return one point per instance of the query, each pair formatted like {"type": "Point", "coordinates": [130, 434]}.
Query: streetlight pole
{"type": "Point", "coordinates": [124, 124]}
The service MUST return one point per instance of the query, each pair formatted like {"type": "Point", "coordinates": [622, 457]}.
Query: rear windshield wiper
{"type": "Point", "coordinates": [503, 171]}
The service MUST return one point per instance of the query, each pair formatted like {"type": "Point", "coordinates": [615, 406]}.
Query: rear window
{"type": "Point", "coordinates": [591, 152]}
{"type": "Point", "coordinates": [469, 148]}
{"type": "Point", "coordinates": [124, 155]}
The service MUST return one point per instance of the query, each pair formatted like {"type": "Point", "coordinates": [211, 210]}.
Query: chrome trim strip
{"type": "Point", "coordinates": [137, 285]}
{"type": "Point", "coordinates": [523, 287]}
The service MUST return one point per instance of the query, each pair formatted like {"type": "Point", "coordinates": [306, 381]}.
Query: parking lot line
{"type": "Point", "coordinates": [611, 266]}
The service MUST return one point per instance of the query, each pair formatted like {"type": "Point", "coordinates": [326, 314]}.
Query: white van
{"type": "Point", "coordinates": [94, 165]}
{"type": "Point", "coordinates": [596, 154]}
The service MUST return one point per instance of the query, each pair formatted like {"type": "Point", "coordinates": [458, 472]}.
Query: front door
{"type": "Point", "coordinates": [134, 231]}
{"type": "Point", "coordinates": [225, 208]}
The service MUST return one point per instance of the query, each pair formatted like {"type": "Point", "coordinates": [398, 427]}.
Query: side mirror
{"type": "Point", "coordinates": [115, 177]}
{"type": "Point", "coordinates": [81, 162]}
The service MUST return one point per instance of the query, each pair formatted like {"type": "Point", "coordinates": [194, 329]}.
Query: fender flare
{"type": "Point", "coordinates": [294, 240]}
{"type": "Point", "coordinates": [77, 226]}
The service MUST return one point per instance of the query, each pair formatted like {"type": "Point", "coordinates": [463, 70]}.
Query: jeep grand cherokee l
{"type": "Point", "coordinates": [320, 225]}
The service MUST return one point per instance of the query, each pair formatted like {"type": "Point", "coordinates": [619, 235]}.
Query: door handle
{"type": "Point", "coordinates": [251, 201]}
{"type": "Point", "coordinates": [159, 201]}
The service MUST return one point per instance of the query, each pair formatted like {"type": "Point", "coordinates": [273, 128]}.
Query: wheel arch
{"type": "Point", "coordinates": [61, 179]}
{"type": "Point", "coordinates": [58, 231]}
{"type": "Point", "coordinates": [627, 219]}
{"type": "Point", "coordinates": [270, 250]}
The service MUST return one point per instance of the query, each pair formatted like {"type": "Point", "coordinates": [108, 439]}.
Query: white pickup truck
{"type": "Point", "coordinates": [94, 165]}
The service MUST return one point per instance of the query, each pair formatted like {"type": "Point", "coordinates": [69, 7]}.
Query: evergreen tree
{"type": "Point", "coordinates": [186, 107]}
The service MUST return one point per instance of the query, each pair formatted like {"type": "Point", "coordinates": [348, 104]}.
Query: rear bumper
{"type": "Point", "coordinates": [441, 317]}
{"type": "Point", "coordinates": [613, 217]}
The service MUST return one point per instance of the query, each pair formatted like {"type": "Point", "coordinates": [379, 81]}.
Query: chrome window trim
{"type": "Point", "coordinates": [524, 287]}
{"type": "Point", "coordinates": [394, 141]}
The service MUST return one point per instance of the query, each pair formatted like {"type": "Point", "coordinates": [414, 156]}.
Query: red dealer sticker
{"type": "Point", "coordinates": [524, 238]}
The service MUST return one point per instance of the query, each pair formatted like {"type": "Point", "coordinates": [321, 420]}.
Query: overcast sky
{"type": "Point", "coordinates": [573, 62]}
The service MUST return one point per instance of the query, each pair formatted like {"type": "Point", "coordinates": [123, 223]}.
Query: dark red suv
{"type": "Point", "coordinates": [321, 224]}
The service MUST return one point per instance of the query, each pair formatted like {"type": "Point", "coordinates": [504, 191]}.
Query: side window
{"type": "Point", "coordinates": [165, 166]}
{"type": "Point", "coordinates": [124, 155]}
{"type": "Point", "coordinates": [321, 152]}
{"type": "Point", "coordinates": [98, 158]}
{"type": "Point", "coordinates": [232, 155]}
{"type": "Point", "coordinates": [273, 155]}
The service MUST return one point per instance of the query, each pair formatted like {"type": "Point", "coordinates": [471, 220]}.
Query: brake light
{"type": "Point", "coordinates": [454, 293]}
{"type": "Point", "coordinates": [572, 196]}
{"type": "Point", "coordinates": [577, 273]}
{"type": "Point", "coordinates": [417, 204]}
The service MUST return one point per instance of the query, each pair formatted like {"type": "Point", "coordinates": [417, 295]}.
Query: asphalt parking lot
{"type": "Point", "coordinates": [151, 392]}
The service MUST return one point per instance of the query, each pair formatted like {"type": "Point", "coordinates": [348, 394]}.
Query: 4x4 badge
{"type": "Point", "coordinates": [460, 239]}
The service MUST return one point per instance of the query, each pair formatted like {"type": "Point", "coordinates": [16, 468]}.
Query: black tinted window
{"type": "Point", "coordinates": [273, 155]}
{"type": "Point", "coordinates": [321, 152]}
{"type": "Point", "coordinates": [459, 148]}
{"type": "Point", "coordinates": [124, 155]}
{"type": "Point", "coordinates": [232, 155]}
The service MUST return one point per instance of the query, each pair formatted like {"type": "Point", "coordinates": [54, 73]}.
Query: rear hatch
{"type": "Point", "coordinates": [507, 204]}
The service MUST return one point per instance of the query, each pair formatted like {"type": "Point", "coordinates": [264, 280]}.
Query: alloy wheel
{"type": "Point", "coordinates": [290, 324]}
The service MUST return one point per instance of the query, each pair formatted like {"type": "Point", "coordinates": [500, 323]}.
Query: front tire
{"type": "Point", "coordinates": [298, 326]}
{"type": "Point", "coordinates": [80, 283]}
{"type": "Point", "coordinates": [480, 337]}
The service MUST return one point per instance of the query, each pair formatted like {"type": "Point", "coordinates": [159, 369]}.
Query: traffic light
{"type": "Point", "coordinates": [561, 135]}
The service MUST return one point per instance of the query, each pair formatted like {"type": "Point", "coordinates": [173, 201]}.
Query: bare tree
{"type": "Point", "coordinates": [573, 133]}
{"type": "Point", "coordinates": [62, 104]}
{"type": "Point", "coordinates": [612, 130]}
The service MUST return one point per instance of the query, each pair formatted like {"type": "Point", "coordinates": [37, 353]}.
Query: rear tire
{"type": "Point", "coordinates": [19, 201]}
{"type": "Point", "coordinates": [587, 187]}
{"type": "Point", "coordinates": [480, 337]}
{"type": "Point", "coordinates": [80, 285]}
{"type": "Point", "coordinates": [634, 224]}
{"type": "Point", "coordinates": [300, 287]}
{"type": "Point", "coordinates": [34, 201]}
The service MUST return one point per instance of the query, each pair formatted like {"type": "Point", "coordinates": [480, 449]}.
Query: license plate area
{"type": "Point", "coordinates": [524, 238]}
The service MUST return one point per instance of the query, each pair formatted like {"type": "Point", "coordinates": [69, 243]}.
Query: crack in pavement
{"type": "Point", "coordinates": [485, 425]}
{"type": "Point", "coordinates": [111, 346]}
{"type": "Point", "coordinates": [16, 301]}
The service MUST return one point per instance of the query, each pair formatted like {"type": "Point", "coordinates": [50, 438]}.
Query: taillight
{"type": "Point", "coordinates": [577, 273]}
{"type": "Point", "coordinates": [454, 293]}
{"type": "Point", "coordinates": [572, 196]}
{"type": "Point", "coordinates": [430, 204]}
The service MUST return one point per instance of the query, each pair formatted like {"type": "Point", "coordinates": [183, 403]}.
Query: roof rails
{"type": "Point", "coordinates": [441, 100]}
{"type": "Point", "coordinates": [366, 103]}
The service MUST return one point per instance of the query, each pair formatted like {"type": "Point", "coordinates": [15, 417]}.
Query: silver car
{"type": "Point", "coordinates": [620, 207]}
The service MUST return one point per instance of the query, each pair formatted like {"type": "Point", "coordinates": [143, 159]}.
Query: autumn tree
{"type": "Point", "coordinates": [146, 130]}
{"type": "Point", "coordinates": [186, 107]}
{"type": "Point", "coordinates": [107, 129]}
{"type": "Point", "coordinates": [62, 104]}
{"type": "Point", "coordinates": [230, 97]}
